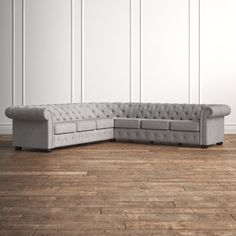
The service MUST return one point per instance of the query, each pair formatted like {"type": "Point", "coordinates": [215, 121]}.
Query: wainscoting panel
{"type": "Point", "coordinates": [6, 60]}
{"type": "Point", "coordinates": [165, 51]}
{"type": "Point", "coordinates": [47, 51]}
{"type": "Point", "coordinates": [218, 54]}
{"type": "Point", "coordinates": [17, 38]}
{"type": "Point", "coordinates": [106, 50]}
{"type": "Point", "coordinates": [59, 51]}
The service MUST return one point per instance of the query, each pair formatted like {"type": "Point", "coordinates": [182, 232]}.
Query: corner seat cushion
{"type": "Point", "coordinates": [64, 127]}
{"type": "Point", "coordinates": [85, 125]}
{"type": "Point", "coordinates": [155, 124]}
{"type": "Point", "coordinates": [184, 125]}
{"type": "Point", "coordinates": [105, 123]}
{"type": "Point", "coordinates": [129, 123]}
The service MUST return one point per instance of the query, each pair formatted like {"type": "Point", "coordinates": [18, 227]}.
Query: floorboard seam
{"type": "Point", "coordinates": [233, 217]}
{"type": "Point", "coordinates": [174, 204]}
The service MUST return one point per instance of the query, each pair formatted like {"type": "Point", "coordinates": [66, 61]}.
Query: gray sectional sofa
{"type": "Point", "coordinates": [51, 126]}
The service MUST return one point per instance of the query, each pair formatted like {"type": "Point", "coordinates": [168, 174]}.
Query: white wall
{"type": "Point", "coordinates": [56, 51]}
{"type": "Point", "coordinates": [106, 43]}
{"type": "Point", "coordinates": [47, 51]}
{"type": "Point", "coordinates": [165, 50]}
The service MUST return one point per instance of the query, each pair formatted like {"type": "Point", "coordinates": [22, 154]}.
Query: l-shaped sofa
{"type": "Point", "coordinates": [51, 126]}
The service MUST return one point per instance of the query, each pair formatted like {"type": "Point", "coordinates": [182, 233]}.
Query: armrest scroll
{"type": "Point", "coordinates": [28, 113]}
{"type": "Point", "coordinates": [217, 110]}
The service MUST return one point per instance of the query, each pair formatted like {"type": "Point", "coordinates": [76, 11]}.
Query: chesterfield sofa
{"type": "Point", "coordinates": [51, 126]}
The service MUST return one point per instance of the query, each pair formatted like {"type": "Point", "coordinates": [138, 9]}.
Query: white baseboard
{"type": "Point", "coordinates": [7, 129]}
{"type": "Point", "coordinates": [230, 128]}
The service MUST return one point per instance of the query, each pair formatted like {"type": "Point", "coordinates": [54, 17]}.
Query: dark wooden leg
{"type": "Point", "coordinates": [18, 148]}
{"type": "Point", "coordinates": [204, 146]}
{"type": "Point", "coordinates": [47, 150]}
{"type": "Point", "coordinates": [180, 144]}
{"type": "Point", "coordinates": [220, 143]}
{"type": "Point", "coordinates": [112, 140]}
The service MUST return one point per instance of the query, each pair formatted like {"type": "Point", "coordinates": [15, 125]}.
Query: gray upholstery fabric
{"type": "Point", "coordinates": [29, 113]}
{"type": "Point", "coordinates": [159, 136]}
{"type": "Point", "coordinates": [85, 125]}
{"type": "Point", "coordinates": [81, 111]}
{"type": "Point", "coordinates": [213, 131]}
{"type": "Point", "coordinates": [33, 126]}
{"type": "Point", "coordinates": [217, 110]}
{"type": "Point", "coordinates": [105, 123]}
{"type": "Point", "coordinates": [155, 124]}
{"type": "Point", "coordinates": [65, 127]}
{"type": "Point", "coordinates": [33, 134]}
{"type": "Point", "coordinates": [129, 123]}
{"type": "Point", "coordinates": [206, 124]}
{"type": "Point", "coordinates": [167, 111]}
{"type": "Point", "coordinates": [83, 137]}
{"type": "Point", "coordinates": [184, 125]}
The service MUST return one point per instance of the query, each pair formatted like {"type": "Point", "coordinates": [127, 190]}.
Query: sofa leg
{"type": "Point", "coordinates": [180, 144]}
{"type": "Point", "coordinates": [220, 143]}
{"type": "Point", "coordinates": [47, 150]}
{"type": "Point", "coordinates": [112, 140]}
{"type": "Point", "coordinates": [204, 146]}
{"type": "Point", "coordinates": [17, 148]}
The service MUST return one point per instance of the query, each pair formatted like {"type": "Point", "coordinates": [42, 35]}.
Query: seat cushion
{"type": "Point", "coordinates": [184, 125]}
{"type": "Point", "coordinates": [64, 127]}
{"type": "Point", "coordinates": [105, 123]}
{"type": "Point", "coordinates": [155, 124]}
{"type": "Point", "coordinates": [130, 123]}
{"type": "Point", "coordinates": [85, 125]}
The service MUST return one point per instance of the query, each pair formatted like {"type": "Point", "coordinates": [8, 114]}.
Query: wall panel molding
{"type": "Point", "coordinates": [76, 38]}
{"type": "Point", "coordinates": [72, 51]}
{"type": "Point", "coordinates": [13, 53]}
{"type": "Point", "coordinates": [130, 48]}
{"type": "Point", "coordinates": [23, 92]}
{"type": "Point", "coordinates": [17, 88]}
{"type": "Point", "coordinates": [23, 52]}
{"type": "Point", "coordinates": [189, 48]}
{"type": "Point", "coordinates": [82, 51]}
{"type": "Point", "coordinates": [141, 53]}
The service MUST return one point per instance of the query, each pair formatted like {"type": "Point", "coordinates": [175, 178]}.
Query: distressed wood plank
{"type": "Point", "coordinates": [120, 188]}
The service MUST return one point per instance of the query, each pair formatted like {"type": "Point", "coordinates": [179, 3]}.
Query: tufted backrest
{"type": "Point", "coordinates": [167, 111]}
{"type": "Point", "coordinates": [80, 111]}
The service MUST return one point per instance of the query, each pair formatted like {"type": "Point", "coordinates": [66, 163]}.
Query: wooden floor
{"type": "Point", "coordinates": [118, 189]}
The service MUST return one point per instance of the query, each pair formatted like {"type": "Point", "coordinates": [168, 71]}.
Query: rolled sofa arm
{"type": "Point", "coordinates": [28, 113]}
{"type": "Point", "coordinates": [217, 110]}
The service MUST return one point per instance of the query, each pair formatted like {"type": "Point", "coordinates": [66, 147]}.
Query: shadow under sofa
{"type": "Point", "coordinates": [51, 126]}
